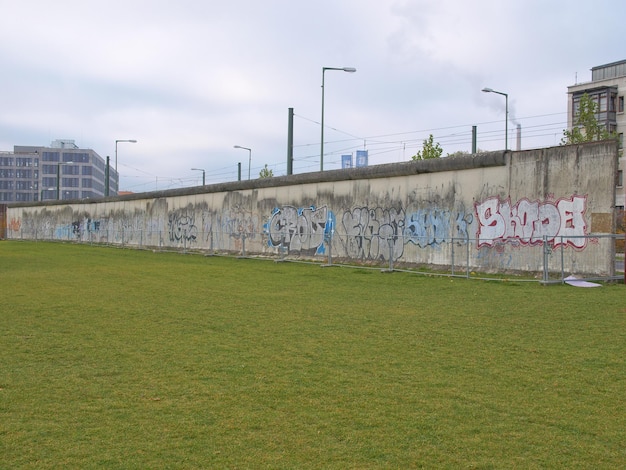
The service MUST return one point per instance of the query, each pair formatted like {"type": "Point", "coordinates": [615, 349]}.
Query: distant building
{"type": "Point", "coordinates": [29, 173]}
{"type": "Point", "coordinates": [607, 88]}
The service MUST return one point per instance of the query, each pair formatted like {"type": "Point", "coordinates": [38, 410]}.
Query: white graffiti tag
{"type": "Point", "coordinates": [529, 222]}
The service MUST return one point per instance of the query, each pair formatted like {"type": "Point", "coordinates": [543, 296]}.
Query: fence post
{"type": "Point", "coordinates": [467, 256]}
{"type": "Point", "coordinates": [390, 243]}
{"type": "Point", "coordinates": [562, 262]}
{"type": "Point", "coordinates": [329, 244]}
{"type": "Point", "coordinates": [243, 244]}
{"type": "Point", "coordinates": [281, 250]}
{"type": "Point", "coordinates": [452, 256]}
{"type": "Point", "coordinates": [546, 252]}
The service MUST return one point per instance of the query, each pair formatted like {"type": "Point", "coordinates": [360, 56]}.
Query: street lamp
{"type": "Point", "coordinates": [203, 174]}
{"type": "Point", "coordinates": [132, 141]}
{"type": "Point", "coordinates": [249, 156]}
{"type": "Point", "coordinates": [506, 115]}
{"type": "Point", "coordinates": [59, 177]}
{"type": "Point", "coordinates": [324, 69]}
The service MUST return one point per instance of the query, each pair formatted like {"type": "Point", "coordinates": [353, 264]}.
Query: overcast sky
{"type": "Point", "coordinates": [189, 79]}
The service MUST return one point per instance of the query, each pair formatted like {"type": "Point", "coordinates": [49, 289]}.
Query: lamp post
{"type": "Point", "coordinates": [132, 141]}
{"type": "Point", "coordinates": [324, 69]}
{"type": "Point", "coordinates": [249, 156]}
{"type": "Point", "coordinates": [59, 178]}
{"type": "Point", "coordinates": [203, 174]}
{"type": "Point", "coordinates": [506, 115]}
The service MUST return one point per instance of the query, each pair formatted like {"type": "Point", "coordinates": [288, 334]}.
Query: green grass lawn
{"type": "Point", "coordinates": [131, 359]}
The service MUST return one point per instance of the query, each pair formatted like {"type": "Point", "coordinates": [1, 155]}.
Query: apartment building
{"type": "Point", "coordinates": [607, 88]}
{"type": "Point", "coordinates": [60, 172]}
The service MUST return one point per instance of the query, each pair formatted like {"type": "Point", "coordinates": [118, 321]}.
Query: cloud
{"type": "Point", "coordinates": [190, 79]}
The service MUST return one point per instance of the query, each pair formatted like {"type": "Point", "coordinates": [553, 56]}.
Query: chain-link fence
{"type": "Point", "coordinates": [592, 257]}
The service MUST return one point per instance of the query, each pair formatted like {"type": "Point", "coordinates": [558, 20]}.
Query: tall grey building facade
{"type": "Point", "coordinates": [60, 172]}
{"type": "Point", "coordinates": [607, 89]}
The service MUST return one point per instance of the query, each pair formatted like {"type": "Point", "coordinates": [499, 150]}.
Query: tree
{"type": "Point", "coordinates": [586, 127]}
{"type": "Point", "coordinates": [430, 149]}
{"type": "Point", "coordinates": [266, 172]}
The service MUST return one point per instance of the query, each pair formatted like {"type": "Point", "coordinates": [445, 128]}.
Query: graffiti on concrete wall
{"type": "Point", "coordinates": [15, 224]}
{"type": "Point", "coordinates": [364, 233]}
{"type": "Point", "coordinates": [300, 229]}
{"type": "Point", "coordinates": [374, 233]}
{"type": "Point", "coordinates": [378, 233]}
{"type": "Point", "coordinates": [239, 222]}
{"type": "Point", "coordinates": [182, 226]}
{"type": "Point", "coordinates": [528, 222]}
{"type": "Point", "coordinates": [433, 226]}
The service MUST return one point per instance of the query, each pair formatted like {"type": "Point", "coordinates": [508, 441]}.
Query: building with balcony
{"type": "Point", "coordinates": [60, 172]}
{"type": "Point", "coordinates": [607, 88]}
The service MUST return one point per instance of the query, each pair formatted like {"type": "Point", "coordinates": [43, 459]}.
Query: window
{"type": "Point", "coordinates": [69, 182]}
{"type": "Point", "coordinates": [23, 197]}
{"type": "Point", "coordinates": [25, 174]}
{"type": "Point", "coordinates": [70, 194]}
{"type": "Point", "coordinates": [620, 104]}
{"type": "Point", "coordinates": [612, 98]}
{"type": "Point", "coordinates": [50, 156]}
{"type": "Point", "coordinates": [620, 138]}
{"type": "Point", "coordinates": [76, 157]}
{"type": "Point", "coordinates": [620, 178]}
{"type": "Point", "coordinates": [602, 103]}
{"type": "Point", "coordinates": [70, 169]}
{"type": "Point", "coordinates": [49, 182]}
{"type": "Point", "coordinates": [49, 169]}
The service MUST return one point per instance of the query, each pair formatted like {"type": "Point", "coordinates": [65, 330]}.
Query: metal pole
{"type": "Point", "coordinates": [324, 69]}
{"type": "Point", "coordinates": [290, 143]}
{"type": "Point", "coordinates": [106, 176]}
{"type": "Point", "coordinates": [506, 122]}
{"type": "Point", "coordinates": [58, 176]}
{"type": "Point", "coordinates": [452, 255]}
{"type": "Point", "coordinates": [473, 140]}
{"type": "Point", "coordinates": [249, 161]}
{"type": "Point", "coordinates": [467, 256]}
{"type": "Point", "coordinates": [329, 243]}
{"type": "Point", "coordinates": [506, 114]}
{"type": "Point", "coordinates": [322, 122]}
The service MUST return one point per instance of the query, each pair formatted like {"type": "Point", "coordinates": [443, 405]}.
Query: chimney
{"type": "Point", "coordinates": [519, 137]}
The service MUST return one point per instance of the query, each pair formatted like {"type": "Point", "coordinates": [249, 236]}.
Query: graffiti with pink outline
{"type": "Point", "coordinates": [527, 222]}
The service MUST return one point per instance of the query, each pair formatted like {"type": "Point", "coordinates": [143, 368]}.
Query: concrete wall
{"type": "Point", "coordinates": [496, 209]}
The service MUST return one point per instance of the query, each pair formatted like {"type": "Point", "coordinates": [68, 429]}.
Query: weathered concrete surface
{"type": "Point", "coordinates": [498, 209]}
